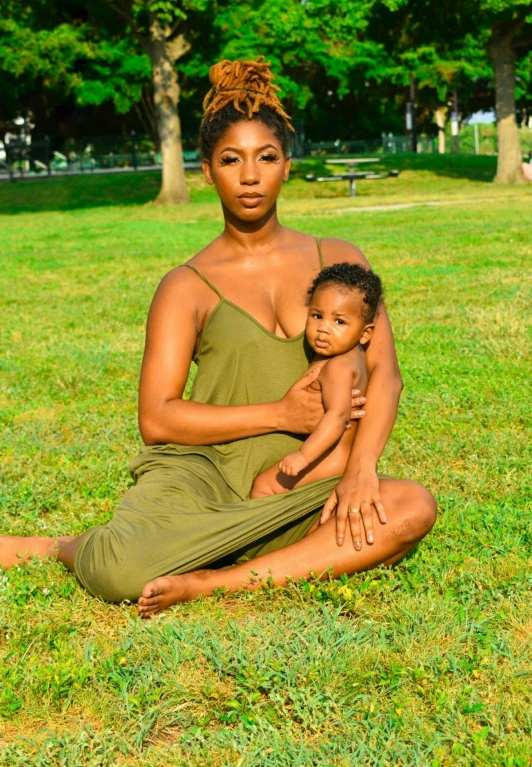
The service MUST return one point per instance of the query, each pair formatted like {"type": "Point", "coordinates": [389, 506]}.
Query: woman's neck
{"type": "Point", "coordinates": [252, 236]}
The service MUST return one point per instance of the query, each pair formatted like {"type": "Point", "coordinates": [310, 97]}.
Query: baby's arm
{"type": "Point", "coordinates": [336, 384]}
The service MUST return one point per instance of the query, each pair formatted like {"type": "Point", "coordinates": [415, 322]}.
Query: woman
{"type": "Point", "coordinates": [236, 308]}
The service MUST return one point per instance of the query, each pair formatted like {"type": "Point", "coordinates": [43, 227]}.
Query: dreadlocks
{"type": "Point", "coordinates": [242, 90]}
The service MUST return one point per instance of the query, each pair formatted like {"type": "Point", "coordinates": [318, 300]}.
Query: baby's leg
{"type": "Point", "coordinates": [271, 482]}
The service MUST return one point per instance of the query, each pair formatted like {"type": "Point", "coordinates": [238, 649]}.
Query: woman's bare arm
{"type": "Point", "coordinates": [176, 317]}
{"type": "Point", "coordinates": [382, 398]}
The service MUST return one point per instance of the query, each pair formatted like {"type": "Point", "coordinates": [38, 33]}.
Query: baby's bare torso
{"type": "Point", "coordinates": [357, 361]}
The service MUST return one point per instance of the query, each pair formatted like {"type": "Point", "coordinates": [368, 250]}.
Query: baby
{"type": "Point", "coordinates": [342, 303]}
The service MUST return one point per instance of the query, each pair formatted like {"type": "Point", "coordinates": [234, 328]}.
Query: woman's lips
{"type": "Point", "coordinates": [251, 201]}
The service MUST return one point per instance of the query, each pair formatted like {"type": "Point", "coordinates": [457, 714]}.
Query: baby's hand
{"type": "Point", "coordinates": [293, 463]}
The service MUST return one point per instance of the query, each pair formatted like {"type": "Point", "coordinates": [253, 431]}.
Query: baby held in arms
{"type": "Point", "coordinates": [342, 303]}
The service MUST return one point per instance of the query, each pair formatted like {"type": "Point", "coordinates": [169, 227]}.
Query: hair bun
{"type": "Point", "coordinates": [247, 85]}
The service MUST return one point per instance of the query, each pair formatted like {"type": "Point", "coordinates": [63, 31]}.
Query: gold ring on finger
{"type": "Point", "coordinates": [353, 510]}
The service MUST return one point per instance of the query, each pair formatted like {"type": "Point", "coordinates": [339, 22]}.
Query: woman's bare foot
{"type": "Point", "coordinates": [15, 549]}
{"type": "Point", "coordinates": [162, 593]}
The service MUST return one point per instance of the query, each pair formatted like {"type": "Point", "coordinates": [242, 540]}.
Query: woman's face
{"type": "Point", "coordinates": [248, 168]}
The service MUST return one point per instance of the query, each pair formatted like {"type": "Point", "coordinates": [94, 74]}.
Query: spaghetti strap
{"type": "Point", "coordinates": [318, 242]}
{"type": "Point", "coordinates": [202, 277]}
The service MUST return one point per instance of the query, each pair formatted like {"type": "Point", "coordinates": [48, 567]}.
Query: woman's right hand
{"type": "Point", "coordinates": [301, 408]}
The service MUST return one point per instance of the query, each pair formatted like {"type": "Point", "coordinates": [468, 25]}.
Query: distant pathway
{"type": "Point", "coordinates": [433, 203]}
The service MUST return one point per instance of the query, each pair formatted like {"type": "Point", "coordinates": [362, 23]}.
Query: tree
{"type": "Point", "coordinates": [510, 27]}
{"type": "Point", "coordinates": [43, 51]}
{"type": "Point", "coordinates": [482, 30]}
{"type": "Point", "coordinates": [85, 51]}
{"type": "Point", "coordinates": [162, 28]}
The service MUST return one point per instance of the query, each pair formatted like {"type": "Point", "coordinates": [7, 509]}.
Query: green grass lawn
{"type": "Point", "coordinates": [426, 664]}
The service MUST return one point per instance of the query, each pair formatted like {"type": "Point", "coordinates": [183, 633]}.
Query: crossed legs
{"type": "Point", "coordinates": [411, 513]}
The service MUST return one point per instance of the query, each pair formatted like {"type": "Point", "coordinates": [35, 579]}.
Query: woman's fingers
{"type": "Point", "coordinates": [355, 527]}
{"type": "Point", "coordinates": [357, 405]}
{"type": "Point", "coordinates": [341, 522]}
{"type": "Point", "coordinates": [308, 378]}
{"type": "Point", "coordinates": [380, 510]}
{"type": "Point", "coordinates": [367, 517]}
{"type": "Point", "coordinates": [329, 507]}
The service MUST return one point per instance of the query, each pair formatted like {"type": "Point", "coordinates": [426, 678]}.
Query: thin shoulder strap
{"type": "Point", "coordinates": [318, 242]}
{"type": "Point", "coordinates": [202, 277]}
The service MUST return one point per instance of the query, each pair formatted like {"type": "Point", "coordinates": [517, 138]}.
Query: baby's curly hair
{"type": "Point", "coordinates": [242, 90]}
{"type": "Point", "coordinates": [351, 277]}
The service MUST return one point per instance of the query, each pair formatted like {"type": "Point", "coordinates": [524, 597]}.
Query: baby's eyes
{"type": "Point", "coordinates": [340, 322]}
{"type": "Point", "coordinates": [315, 316]}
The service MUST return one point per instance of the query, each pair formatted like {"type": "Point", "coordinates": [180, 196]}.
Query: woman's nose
{"type": "Point", "coordinates": [249, 173]}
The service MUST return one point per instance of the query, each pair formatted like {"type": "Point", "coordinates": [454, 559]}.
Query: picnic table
{"type": "Point", "coordinates": [352, 174]}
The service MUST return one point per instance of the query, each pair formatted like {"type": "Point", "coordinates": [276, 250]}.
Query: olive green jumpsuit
{"type": "Point", "coordinates": [190, 505]}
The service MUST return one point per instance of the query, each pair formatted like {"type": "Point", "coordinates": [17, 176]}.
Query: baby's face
{"type": "Point", "coordinates": [335, 321]}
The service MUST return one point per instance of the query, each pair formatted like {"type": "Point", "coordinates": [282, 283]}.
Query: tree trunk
{"type": "Point", "coordinates": [509, 168]}
{"type": "Point", "coordinates": [166, 90]}
{"type": "Point", "coordinates": [146, 113]}
{"type": "Point", "coordinates": [441, 115]}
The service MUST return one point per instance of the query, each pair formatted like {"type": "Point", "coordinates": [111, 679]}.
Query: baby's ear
{"type": "Point", "coordinates": [367, 333]}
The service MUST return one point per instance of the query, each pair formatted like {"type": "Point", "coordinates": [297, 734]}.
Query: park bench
{"type": "Point", "coordinates": [352, 175]}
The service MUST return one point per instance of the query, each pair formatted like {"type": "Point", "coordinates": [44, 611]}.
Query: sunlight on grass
{"type": "Point", "coordinates": [425, 664]}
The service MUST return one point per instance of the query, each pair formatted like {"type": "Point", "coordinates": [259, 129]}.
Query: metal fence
{"type": "Point", "coordinates": [472, 139]}
{"type": "Point", "coordinates": [25, 158]}
{"type": "Point", "coordinates": [103, 154]}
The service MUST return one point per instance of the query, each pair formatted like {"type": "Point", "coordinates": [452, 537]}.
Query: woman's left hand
{"type": "Point", "coordinates": [354, 498]}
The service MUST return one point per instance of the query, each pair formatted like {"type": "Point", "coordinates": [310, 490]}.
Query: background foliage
{"type": "Point", "coordinates": [344, 67]}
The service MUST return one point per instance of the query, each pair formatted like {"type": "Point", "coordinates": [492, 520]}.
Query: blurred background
{"type": "Point", "coordinates": [118, 86]}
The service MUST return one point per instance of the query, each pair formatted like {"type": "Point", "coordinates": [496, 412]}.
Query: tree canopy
{"type": "Point", "coordinates": [344, 67]}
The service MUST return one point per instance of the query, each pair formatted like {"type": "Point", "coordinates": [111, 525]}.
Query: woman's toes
{"type": "Point", "coordinates": [153, 588]}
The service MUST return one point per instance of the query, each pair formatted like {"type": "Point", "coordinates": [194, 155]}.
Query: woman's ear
{"type": "Point", "coordinates": [206, 168]}
{"type": "Point", "coordinates": [286, 168]}
{"type": "Point", "coordinates": [367, 333]}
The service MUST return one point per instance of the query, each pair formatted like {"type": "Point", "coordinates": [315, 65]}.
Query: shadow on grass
{"type": "Point", "coordinates": [92, 191]}
{"type": "Point", "coordinates": [74, 192]}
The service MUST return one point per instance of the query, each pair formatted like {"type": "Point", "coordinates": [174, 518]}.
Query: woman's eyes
{"type": "Point", "coordinates": [231, 160]}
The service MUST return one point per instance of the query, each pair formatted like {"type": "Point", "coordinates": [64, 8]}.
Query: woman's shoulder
{"type": "Point", "coordinates": [335, 250]}
{"type": "Point", "coordinates": [184, 277]}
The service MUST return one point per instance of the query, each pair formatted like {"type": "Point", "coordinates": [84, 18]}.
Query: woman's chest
{"type": "Point", "coordinates": [278, 307]}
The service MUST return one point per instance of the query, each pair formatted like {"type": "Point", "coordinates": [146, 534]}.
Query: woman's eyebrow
{"type": "Point", "coordinates": [239, 151]}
